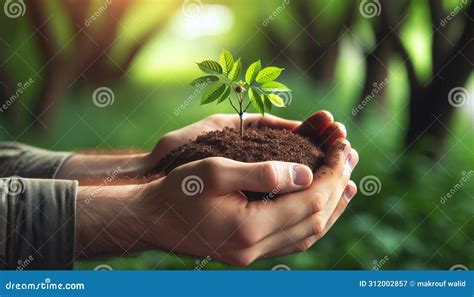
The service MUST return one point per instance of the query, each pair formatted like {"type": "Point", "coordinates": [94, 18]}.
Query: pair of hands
{"type": "Point", "coordinates": [214, 219]}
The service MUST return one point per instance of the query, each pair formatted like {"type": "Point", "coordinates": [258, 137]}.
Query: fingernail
{"type": "Point", "coordinates": [301, 175]}
{"type": "Point", "coordinates": [349, 192]}
{"type": "Point", "coordinates": [352, 158]}
{"type": "Point", "coordinates": [351, 162]}
{"type": "Point", "coordinates": [347, 166]}
{"type": "Point", "coordinates": [343, 128]}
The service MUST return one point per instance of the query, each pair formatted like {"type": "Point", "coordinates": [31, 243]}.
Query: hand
{"type": "Point", "coordinates": [218, 221]}
{"type": "Point", "coordinates": [215, 219]}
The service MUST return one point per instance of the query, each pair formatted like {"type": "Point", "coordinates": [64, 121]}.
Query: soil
{"type": "Point", "coordinates": [258, 144]}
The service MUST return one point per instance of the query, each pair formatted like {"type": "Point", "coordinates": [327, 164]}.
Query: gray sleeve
{"type": "Point", "coordinates": [18, 159]}
{"type": "Point", "coordinates": [37, 223]}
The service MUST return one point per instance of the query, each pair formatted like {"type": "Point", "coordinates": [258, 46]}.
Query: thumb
{"type": "Point", "coordinates": [265, 177]}
{"type": "Point", "coordinates": [221, 176]}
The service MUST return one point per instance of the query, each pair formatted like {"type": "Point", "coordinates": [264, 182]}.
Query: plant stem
{"type": "Point", "coordinates": [246, 107]}
{"type": "Point", "coordinates": [241, 114]}
{"type": "Point", "coordinates": [233, 106]}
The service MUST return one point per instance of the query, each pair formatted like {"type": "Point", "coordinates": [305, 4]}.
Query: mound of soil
{"type": "Point", "coordinates": [258, 144]}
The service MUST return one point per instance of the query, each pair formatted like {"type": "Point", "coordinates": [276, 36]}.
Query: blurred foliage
{"type": "Point", "coordinates": [405, 222]}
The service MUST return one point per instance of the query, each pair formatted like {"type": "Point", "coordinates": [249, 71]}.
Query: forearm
{"type": "Point", "coordinates": [93, 169]}
{"type": "Point", "coordinates": [22, 160]}
{"type": "Point", "coordinates": [108, 220]}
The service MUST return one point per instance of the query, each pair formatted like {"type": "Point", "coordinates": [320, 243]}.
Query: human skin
{"type": "Point", "coordinates": [219, 222]}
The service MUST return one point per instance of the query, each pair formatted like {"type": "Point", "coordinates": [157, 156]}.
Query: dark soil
{"type": "Point", "coordinates": [258, 144]}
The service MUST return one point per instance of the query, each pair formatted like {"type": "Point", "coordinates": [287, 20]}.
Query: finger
{"type": "Point", "coordinates": [265, 177]}
{"type": "Point", "coordinates": [315, 125]}
{"type": "Point", "coordinates": [304, 244]}
{"type": "Point", "coordinates": [292, 208]}
{"type": "Point", "coordinates": [311, 226]}
{"type": "Point", "coordinates": [327, 177]}
{"type": "Point", "coordinates": [270, 121]}
{"type": "Point", "coordinates": [332, 133]}
{"type": "Point", "coordinates": [219, 121]}
{"type": "Point", "coordinates": [353, 158]}
{"type": "Point", "coordinates": [314, 224]}
{"type": "Point", "coordinates": [349, 192]}
{"type": "Point", "coordinates": [222, 176]}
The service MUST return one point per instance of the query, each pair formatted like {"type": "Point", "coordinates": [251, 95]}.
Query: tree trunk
{"type": "Point", "coordinates": [376, 72]}
{"type": "Point", "coordinates": [430, 113]}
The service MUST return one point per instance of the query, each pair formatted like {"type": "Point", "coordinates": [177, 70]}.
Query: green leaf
{"type": "Point", "coordinates": [276, 100]}
{"type": "Point", "coordinates": [268, 74]}
{"type": "Point", "coordinates": [211, 67]}
{"type": "Point", "coordinates": [235, 71]}
{"type": "Point", "coordinates": [204, 79]}
{"type": "Point", "coordinates": [252, 72]}
{"type": "Point", "coordinates": [274, 86]}
{"type": "Point", "coordinates": [224, 95]}
{"type": "Point", "coordinates": [226, 61]}
{"type": "Point", "coordinates": [266, 102]}
{"type": "Point", "coordinates": [212, 93]}
{"type": "Point", "coordinates": [256, 100]}
{"type": "Point", "coordinates": [264, 98]}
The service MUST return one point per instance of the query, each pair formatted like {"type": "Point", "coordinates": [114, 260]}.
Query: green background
{"type": "Point", "coordinates": [403, 226]}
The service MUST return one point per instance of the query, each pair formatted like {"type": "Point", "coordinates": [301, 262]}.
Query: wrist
{"type": "Point", "coordinates": [108, 220]}
{"type": "Point", "coordinates": [150, 208]}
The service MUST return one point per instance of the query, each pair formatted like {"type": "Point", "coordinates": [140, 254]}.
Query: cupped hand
{"type": "Point", "coordinates": [198, 209]}
{"type": "Point", "coordinates": [320, 127]}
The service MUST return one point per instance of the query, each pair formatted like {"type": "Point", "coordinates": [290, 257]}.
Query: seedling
{"type": "Point", "coordinates": [223, 78]}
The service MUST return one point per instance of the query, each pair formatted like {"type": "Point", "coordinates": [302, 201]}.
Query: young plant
{"type": "Point", "coordinates": [223, 79]}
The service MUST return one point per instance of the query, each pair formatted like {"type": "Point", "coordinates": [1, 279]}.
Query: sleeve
{"type": "Point", "coordinates": [37, 223]}
{"type": "Point", "coordinates": [18, 159]}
